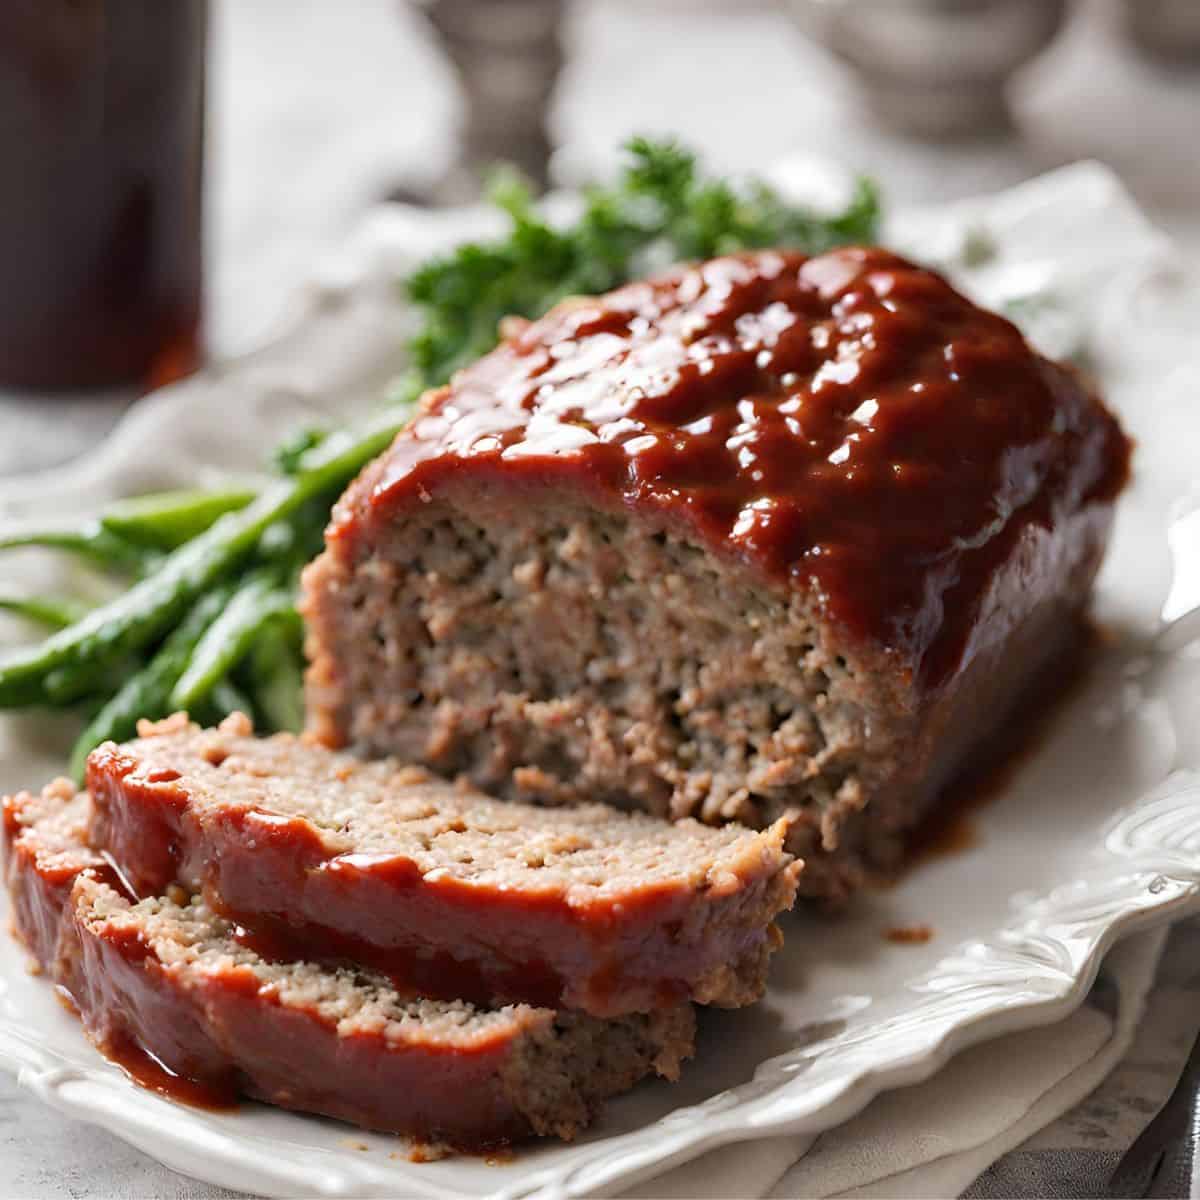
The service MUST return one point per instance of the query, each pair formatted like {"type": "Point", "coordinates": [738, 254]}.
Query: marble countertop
{"type": "Point", "coordinates": [319, 110]}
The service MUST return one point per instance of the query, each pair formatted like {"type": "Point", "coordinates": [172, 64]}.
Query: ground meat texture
{"type": "Point", "coordinates": [766, 534]}
{"type": "Point", "coordinates": [170, 979]}
{"type": "Point", "coordinates": [45, 851]}
{"type": "Point", "coordinates": [452, 892]}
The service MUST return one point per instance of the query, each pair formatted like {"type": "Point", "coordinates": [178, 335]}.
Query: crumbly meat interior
{"type": "Point", "coordinates": [193, 944]}
{"type": "Point", "coordinates": [557, 1068]}
{"type": "Point", "coordinates": [586, 852]}
{"type": "Point", "coordinates": [555, 653]}
{"type": "Point", "coordinates": [561, 1065]}
{"type": "Point", "coordinates": [52, 824]}
{"type": "Point", "coordinates": [563, 1071]}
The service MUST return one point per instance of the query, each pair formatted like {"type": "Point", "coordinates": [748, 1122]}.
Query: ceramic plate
{"type": "Point", "coordinates": [1097, 833]}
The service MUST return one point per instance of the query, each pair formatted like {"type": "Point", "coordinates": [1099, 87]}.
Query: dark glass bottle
{"type": "Point", "coordinates": [101, 157]}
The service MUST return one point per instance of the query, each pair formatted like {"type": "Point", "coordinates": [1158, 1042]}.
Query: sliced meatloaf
{"type": "Point", "coordinates": [459, 895]}
{"type": "Point", "coordinates": [760, 534]}
{"type": "Point", "coordinates": [171, 981]}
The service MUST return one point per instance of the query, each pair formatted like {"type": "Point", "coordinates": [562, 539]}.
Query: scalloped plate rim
{"type": "Point", "coordinates": [173, 1141]}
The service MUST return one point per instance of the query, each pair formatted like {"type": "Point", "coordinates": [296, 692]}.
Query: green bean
{"type": "Point", "coordinates": [66, 685]}
{"type": "Point", "coordinates": [147, 693]}
{"type": "Point", "coordinates": [118, 629]}
{"type": "Point", "coordinates": [57, 614]}
{"type": "Point", "coordinates": [298, 538]}
{"type": "Point", "coordinates": [165, 520]}
{"type": "Point", "coordinates": [225, 698]}
{"type": "Point", "coordinates": [229, 638]}
{"type": "Point", "coordinates": [276, 678]}
{"type": "Point", "coordinates": [289, 453]}
{"type": "Point", "coordinates": [91, 541]}
{"type": "Point", "coordinates": [346, 451]}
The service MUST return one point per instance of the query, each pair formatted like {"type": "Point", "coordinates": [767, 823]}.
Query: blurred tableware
{"type": "Point", "coordinates": [101, 147]}
{"type": "Point", "coordinates": [1169, 29]}
{"type": "Point", "coordinates": [506, 56]}
{"type": "Point", "coordinates": [933, 68]}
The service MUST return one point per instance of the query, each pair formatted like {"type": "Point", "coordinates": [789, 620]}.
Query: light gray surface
{"type": "Point", "coordinates": [320, 108]}
{"type": "Point", "coordinates": [1077, 1155]}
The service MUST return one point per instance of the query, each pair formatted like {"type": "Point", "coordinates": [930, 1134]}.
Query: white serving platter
{"type": "Point", "coordinates": [1097, 834]}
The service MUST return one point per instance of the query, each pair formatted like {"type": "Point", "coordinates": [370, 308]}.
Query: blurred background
{"type": "Point", "coordinates": [315, 111]}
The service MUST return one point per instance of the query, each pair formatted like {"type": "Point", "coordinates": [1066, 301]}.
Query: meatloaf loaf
{"type": "Point", "coordinates": [460, 895]}
{"type": "Point", "coordinates": [169, 982]}
{"type": "Point", "coordinates": [762, 534]}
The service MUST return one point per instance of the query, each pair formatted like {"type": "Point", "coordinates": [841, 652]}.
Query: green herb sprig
{"type": "Point", "coordinates": [660, 210]}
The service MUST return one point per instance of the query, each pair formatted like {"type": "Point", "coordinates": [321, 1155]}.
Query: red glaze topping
{"type": "Point", "coordinates": [433, 934]}
{"type": "Point", "coordinates": [850, 422]}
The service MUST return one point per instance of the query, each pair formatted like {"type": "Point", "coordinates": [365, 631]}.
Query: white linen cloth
{"type": "Point", "coordinates": [935, 1138]}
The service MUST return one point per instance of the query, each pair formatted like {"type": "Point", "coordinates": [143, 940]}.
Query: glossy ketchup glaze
{"type": "Point", "coordinates": [148, 1072]}
{"type": "Point", "coordinates": [848, 422]}
{"type": "Point", "coordinates": [412, 972]}
{"type": "Point", "coordinates": [303, 890]}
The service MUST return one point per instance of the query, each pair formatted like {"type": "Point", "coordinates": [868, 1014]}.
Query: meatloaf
{"type": "Point", "coordinates": [762, 534]}
{"type": "Point", "coordinates": [459, 895]}
{"type": "Point", "coordinates": [170, 983]}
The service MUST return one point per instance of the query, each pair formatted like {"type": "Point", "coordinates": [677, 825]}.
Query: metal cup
{"type": "Point", "coordinates": [933, 68]}
{"type": "Point", "coordinates": [1169, 29]}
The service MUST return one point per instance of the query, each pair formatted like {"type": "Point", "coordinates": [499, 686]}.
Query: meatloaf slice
{"type": "Point", "coordinates": [173, 981]}
{"type": "Point", "coordinates": [460, 895]}
{"type": "Point", "coordinates": [764, 533]}
{"type": "Point", "coordinates": [45, 851]}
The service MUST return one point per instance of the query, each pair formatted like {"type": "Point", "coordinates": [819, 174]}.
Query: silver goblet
{"type": "Point", "coordinates": [933, 68]}
{"type": "Point", "coordinates": [506, 56]}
